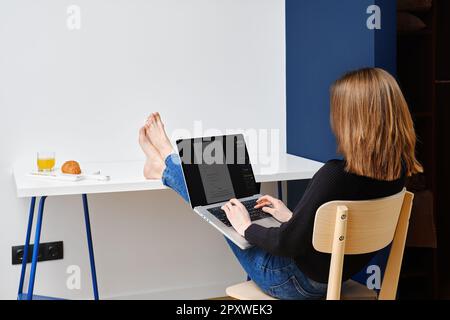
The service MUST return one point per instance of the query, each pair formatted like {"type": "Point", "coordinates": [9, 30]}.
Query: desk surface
{"type": "Point", "coordinates": [127, 176]}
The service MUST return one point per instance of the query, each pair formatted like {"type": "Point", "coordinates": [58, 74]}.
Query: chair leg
{"type": "Point", "coordinates": [90, 246]}
{"type": "Point", "coordinates": [36, 248]}
{"type": "Point", "coordinates": [26, 247]}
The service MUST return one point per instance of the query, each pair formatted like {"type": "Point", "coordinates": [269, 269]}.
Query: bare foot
{"type": "Point", "coordinates": [154, 165]}
{"type": "Point", "coordinates": [157, 135]}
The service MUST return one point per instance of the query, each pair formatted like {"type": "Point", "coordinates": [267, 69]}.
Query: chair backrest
{"type": "Point", "coordinates": [358, 227]}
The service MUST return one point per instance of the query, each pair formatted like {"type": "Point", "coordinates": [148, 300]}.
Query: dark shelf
{"type": "Point", "coordinates": [420, 33]}
{"type": "Point", "coordinates": [424, 76]}
{"type": "Point", "coordinates": [422, 114]}
{"type": "Point", "coordinates": [442, 42]}
{"type": "Point", "coordinates": [414, 274]}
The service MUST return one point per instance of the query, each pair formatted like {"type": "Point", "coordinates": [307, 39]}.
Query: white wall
{"type": "Point", "coordinates": [85, 93]}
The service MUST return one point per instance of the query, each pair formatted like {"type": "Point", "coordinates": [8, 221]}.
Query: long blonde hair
{"type": "Point", "coordinates": [372, 124]}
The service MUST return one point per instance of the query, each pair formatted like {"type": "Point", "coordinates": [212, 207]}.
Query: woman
{"type": "Point", "coordinates": [375, 135]}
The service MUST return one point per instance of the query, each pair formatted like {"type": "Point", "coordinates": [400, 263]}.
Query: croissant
{"type": "Point", "coordinates": [71, 167]}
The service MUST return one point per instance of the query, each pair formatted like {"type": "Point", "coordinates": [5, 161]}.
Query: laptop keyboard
{"type": "Point", "coordinates": [255, 214]}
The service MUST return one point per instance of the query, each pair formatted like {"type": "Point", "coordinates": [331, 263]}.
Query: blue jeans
{"type": "Point", "coordinates": [277, 276]}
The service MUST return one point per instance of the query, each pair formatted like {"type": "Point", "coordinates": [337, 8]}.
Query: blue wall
{"type": "Point", "coordinates": [386, 38]}
{"type": "Point", "coordinates": [325, 39]}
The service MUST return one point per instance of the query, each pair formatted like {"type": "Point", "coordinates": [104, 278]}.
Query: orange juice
{"type": "Point", "coordinates": [45, 164]}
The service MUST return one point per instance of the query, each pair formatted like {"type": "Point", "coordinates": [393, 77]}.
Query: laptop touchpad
{"type": "Point", "coordinates": [268, 222]}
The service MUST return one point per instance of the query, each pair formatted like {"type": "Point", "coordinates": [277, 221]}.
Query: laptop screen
{"type": "Point", "coordinates": [216, 169]}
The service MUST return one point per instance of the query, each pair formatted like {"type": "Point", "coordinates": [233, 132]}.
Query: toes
{"type": "Point", "coordinates": [150, 120]}
{"type": "Point", "coordinates": [153, 121]}
{"type": "Point", "coordinates": [159, 121]}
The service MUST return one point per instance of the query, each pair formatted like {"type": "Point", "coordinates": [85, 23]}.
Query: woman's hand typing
{"type": "Point", "coordinates": [238, 215]}
{"type": "Point", "coordinates": [274, 207]}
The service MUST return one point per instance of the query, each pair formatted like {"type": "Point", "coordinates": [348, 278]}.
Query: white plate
{"type": "Point", "coordinates": [58, 175]}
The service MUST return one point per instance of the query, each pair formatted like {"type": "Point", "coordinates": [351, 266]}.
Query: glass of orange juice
{"type": "Point", "coordinates": [45, 161]}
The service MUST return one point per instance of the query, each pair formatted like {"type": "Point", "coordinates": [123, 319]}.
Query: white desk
{"type": "Point", "coordinates": [125, 177]}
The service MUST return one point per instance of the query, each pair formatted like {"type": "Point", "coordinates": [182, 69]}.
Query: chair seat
{"type": "Point", "coordinates": [351, 290]}
{"type": "Point", "coordinates": [247, 291]}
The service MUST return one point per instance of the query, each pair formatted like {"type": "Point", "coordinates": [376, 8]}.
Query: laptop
{"type": "Point", "coordinates": [217, 169]}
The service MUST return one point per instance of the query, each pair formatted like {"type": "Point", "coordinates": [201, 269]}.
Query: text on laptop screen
{"type": "Point", "coordinates": [216, 169]}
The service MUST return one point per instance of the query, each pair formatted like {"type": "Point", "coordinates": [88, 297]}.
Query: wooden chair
{"type": "Point", "coordinates": [354, 227]}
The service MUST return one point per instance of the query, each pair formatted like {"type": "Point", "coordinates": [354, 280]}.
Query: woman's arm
{"type": "Point", "coordinates": [288, 240]}
{"type": "Point", "coordinates": [295, 235]}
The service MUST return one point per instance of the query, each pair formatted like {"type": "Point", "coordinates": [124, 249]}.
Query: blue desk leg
{"type": "Point", "coordinates": [90, 246]}
{"type": "Point", "coordinates": [37, 238]}
{"type": "Point", "coordinates": [26, 246]}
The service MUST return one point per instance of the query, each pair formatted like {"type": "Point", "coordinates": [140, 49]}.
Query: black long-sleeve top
{"type": "Point", "coordinates": [294, 238]}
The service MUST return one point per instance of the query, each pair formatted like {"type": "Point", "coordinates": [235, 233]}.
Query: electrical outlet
{"type": "Point", "coordinates": [47, 251]}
